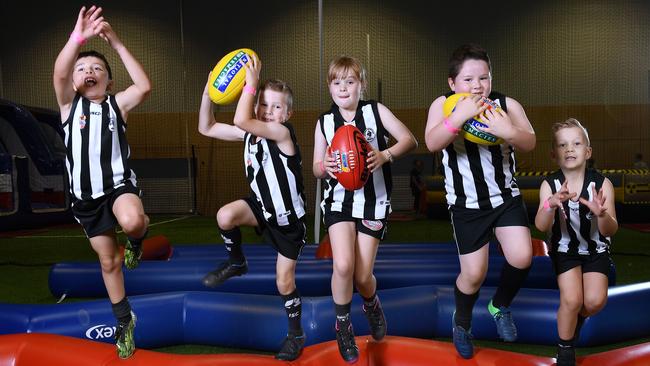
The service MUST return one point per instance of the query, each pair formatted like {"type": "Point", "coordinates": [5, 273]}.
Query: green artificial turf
{"type": "Point", "coordinates": [25, 262]}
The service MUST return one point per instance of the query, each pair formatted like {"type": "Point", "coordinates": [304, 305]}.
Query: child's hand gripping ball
{"type": "Point", "coordinates": [469, 130]}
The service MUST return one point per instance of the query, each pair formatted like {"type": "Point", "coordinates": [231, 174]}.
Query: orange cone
{"type": "Point", "coordinates": [540, 249]}
{"type": "Point", "coordinates": [324, 250]}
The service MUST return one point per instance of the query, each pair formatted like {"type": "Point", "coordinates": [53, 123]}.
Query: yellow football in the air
{"type": "Point", "coordinates": [229, 76]}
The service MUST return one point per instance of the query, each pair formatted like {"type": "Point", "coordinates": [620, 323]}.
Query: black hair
{"type": "Point", "coordinates": [470, 51]}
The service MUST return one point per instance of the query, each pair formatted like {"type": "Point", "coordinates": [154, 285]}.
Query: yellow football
{"type": "Point", "coordinates": [229, 76]}
{"type": "Point", "coordinates": [469, 130]}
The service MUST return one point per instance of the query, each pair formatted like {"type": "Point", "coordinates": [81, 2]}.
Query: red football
{"type": "Point", "coordinates": [350, 149]}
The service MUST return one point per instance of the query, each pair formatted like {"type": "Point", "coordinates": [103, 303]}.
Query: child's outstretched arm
{"type": "Point", "coordinates": [86, 27]}
{"type": "Point", "coordinates": [135, 94]}
{"type": "Point", "coordinates": [603, 207]}
{"type": "Point", "coordinates": [405, 141]}
{"type": "Point", "coordinates": [208, 126]}
{"type": "Point", "coordinates": [514, 126]}
{"type": "Point", "coordinates": [244, 117]}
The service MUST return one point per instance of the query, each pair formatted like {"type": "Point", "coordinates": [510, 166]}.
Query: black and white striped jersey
{"type": "Point", "coordinates": [97, 150]}
{"type": "Point", "coordinates": [479, 176]}
{"type": "Point", "coordinates": [275, 178]}
{"type": "Point", "coordinates": [578, 233]}
{"type": "Point", "coordinates": [373, 200]}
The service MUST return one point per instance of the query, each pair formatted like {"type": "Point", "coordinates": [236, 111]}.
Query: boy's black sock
{"type": "Point", "coordinates": [512, 278]}
{"type": "Point", "coordinates": [137, 242]}
{"type": "Point", "coordinates": [464, 306]}
{"type": "Point", "coordinates": [563, 343]}
{"type": "Point", "coordinates": [293, 307]}
{"type": "Point", "coordinates": [232, 240]}
{"type": "Point", "coordinates": [122, 311]}
{"type": "Point", "coordinates": [370, 301]}
{"type": "Point", "coordinates": [342, 313]}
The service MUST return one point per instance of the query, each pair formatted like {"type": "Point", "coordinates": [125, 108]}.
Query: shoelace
{"type": "Point", "coordinates": [505, 318]}
{"type": "Point", "coordinates": [224, 268]}
{"type": "Point", "coordinates": [121, 331]}
{"type": "Point", "coordinates": [346, 337]}
{"type": "Point", "coordinates": [292, 345]}
{"type": "Point", "coordinates": [465, 335]}
{"type": "Point", "coordinates": [227, 266]}
{"type": "Point", "coordinates": [503, 314]}
{"type": "Point", "coordinates": [289, 347]}
{"type": "Point", "coordinates": [373, 313]}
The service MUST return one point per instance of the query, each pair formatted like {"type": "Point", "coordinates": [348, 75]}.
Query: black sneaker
{"type": "Point", "coordinates": [506, 328]}
{"type": "Point", "coordinates": [566, 356]}
{"type": "Point", "coordinates": [224, 272]}
{"type": "Point", "coordinates": [463, 341]}
{"type": "Point", "coordinates": [345, 339]}
{"type": "Point", "coordinates": [376, 320]}
{"type": "Point", "coordinates": [291, 347]}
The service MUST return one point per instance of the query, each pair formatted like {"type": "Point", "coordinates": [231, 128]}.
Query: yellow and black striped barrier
{"type": "Point", "coordinates": [631, 186]}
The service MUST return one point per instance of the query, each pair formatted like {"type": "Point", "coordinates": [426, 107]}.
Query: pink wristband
{"type": "Point", "coordinates": [78, 38]}
{"type": "Point", "coordinates": [249, 89]}
{"type": "Point", "coordinates": [547, 205]}
{"type": "Point", "coordinates": [450, 128]}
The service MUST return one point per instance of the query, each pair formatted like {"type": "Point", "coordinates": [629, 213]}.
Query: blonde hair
{"type": "Point", "coordinates": [342, 65]}
{"type": "Point", "coordinates": [570, 123]}
{"type": "Point", "coordinates": [278, 86]}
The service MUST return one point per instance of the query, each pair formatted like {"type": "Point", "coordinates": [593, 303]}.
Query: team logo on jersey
{"type": "Point", "coordinates": [111, 124]}
{"type": "Point", "coordinates": [374, 225]}
{"type": "Point", "coordinates": [369, 134]}
{"type": "Point", "coordinates": [284, 214]}
{"type": "Point", "coordinates": [249, 162]}
{"type": "Point", "coordinates": [82, 122]}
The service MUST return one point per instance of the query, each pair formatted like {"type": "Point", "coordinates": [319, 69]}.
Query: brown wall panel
{"type": "Point", "coordinates": [559, 58]}
{"type": "Point", "coordinates": [616, 133]}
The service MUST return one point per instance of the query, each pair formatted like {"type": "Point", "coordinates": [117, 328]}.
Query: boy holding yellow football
{"type": "Point", "coordinates": [276, 205]}
{"type": "Point", "coordinates": [482, 192]}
